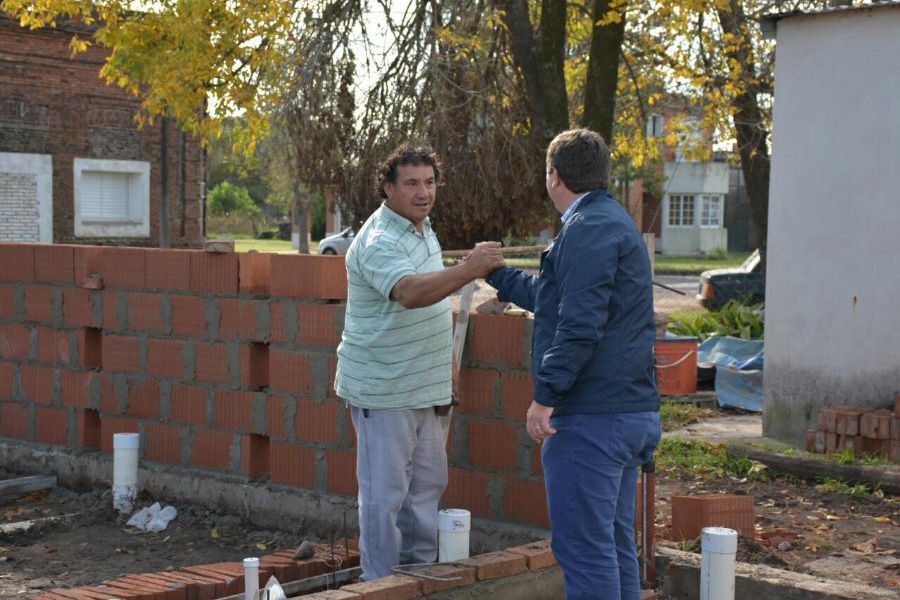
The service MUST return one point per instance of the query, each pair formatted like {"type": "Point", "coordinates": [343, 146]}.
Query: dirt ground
{"type": "Point", "coordinates": [94, 544]}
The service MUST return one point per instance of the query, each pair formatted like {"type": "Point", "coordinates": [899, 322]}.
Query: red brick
{"type": "Point", "coordinates": [876, 424]}
{"type": "Point", "coordinates": [53, 264]}
{"type": "Point", "coordinates": [255, 273]}
{"type": "Point", "coordinates": [526, 501]}
{"type": "Point", "coordinates": [289, 371]}
{"type": "Point", "coordinates": [212, 363]}
{"type": "Point", "coordinates": [7, 373]}
{"type": "Point", "coordinates": [308, 567]}
{"type": "Point", "coordinates": [124, 589]}
{"type": "Point", "coordinates": [255, 365]}
{"type": "Point", "coordinates": [284, 569]}
{"type": "Point", "coordinates": [831, 440]}
{"type": "Point", "coordinates": [234, 410]}
{"type": "Point", "coordinates": [895, 425]}
{"type": "Point", "coordinates": [283, 325]}
{"type": "Point", "coordinates": [78, 308]}
{"type": "Point", "coordinates": [226, 585]}
{"type": "Point", "coordinates": [52, 345]}
{"type": "Point", "coordinates": [188, 405]}
{"type": "Point", "coordinates": [37, 383]}
{"type": "Point", "coordinates": [110, 310]}
{"type": "Point", "coordinates": [316, 422]}
{"type": "Point", "coordinates": [173, 590]}
{"type": "Point", "coordinates": [188, 316]}
{"type": "Point", "coordinates": [7, 302]}
{"type": "Point", "coordinates": [518, 392]}
{"type": "Point", "coordinates": [848, 419]}
{"type": "Point", "coordinates": [212, 449]}
{"type": "Point", "coordinates": [51, 426]}
{"type": "Point", "coordinates": [163, 444]}
{"type": "Point", "coordinates": [309, 277]}
{"type": "Point", "coordinates": [690, 514]}
{"type": "Point", "coordinates": [14, 341]}
{"type": "Point", "coordinates": [13, 420]}
{"type": "Point", "coordinates": [214, 273]}
{"type": "Point", "coordinates": [89, 429]}
{"type": "Point", "coordinates": [109, 402]}
{"type": "Point", "coordinates": [17, 262]}
{"type": "Point", "coordinates": [819, 443]}
{"type": "Point", "coordinates": [875, 447]}
{"type": "Point", "coordinates": [238, 319]}
{"type": "Point", "coordinates": [145, 312]}
{"type": "Point", "coordinates": [124, 268]}
{"type": "Point", "coordinates": [121, 354]}
{"type": "Point", "coordinates": [853, 443]}
{"type": "Point", "coordinates": [393, 587]}
{"type": "Point", "coordinates": [198, 587]}
{"type": "Point", "coordinates": [456, 577]}
{"type": "Point", "coordinates": [112, 425]}
{"type": "Point", "coordinates": [493, 445]}
{"type": "Point", "coordinates": [164, 358]}
{"type": "Point", "coordinates": [495, 565]}
{"type": "Point", "coordinates": [75, 388]}
{"type": "Point", "coordinates": [468, 489]}
{"type": "Point", "coordinates": [275, 408]}
{"type": "Point", "coordinates": [897, 405]}
{"type": "Point", "coordinates": [342, 472]}
{"type": "Point", "coordinates": [168, 269]}
{"type": "Point", "coordinates": [478, 391]}
{"type": "Point", "coordinates": [320, 325]}
{"type": "Point", "coordinates": [143, 399]}
{"type": "Point", "coordinates": [156, 591]}
{"type": "Point", "coordinates": [86, 261]}
{"type": "Point", "coordinates": [537, 554]}
{"type": "Point", "coordinates": [292, 465]}
{"type": "Point", "coordinates": [254, 454]}
{"type": "Point", "coordinates": [340, 594]}
{"type": "Point", "coordinates": [498, 340]}
{"type": "Point", "coordinates": [39, 303]}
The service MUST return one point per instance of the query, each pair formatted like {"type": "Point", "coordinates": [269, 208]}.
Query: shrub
{"type": "Point", "coordinates": [733, 319]}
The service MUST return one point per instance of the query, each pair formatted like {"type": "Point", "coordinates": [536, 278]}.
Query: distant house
{"type": "Point", "coordinates": [74, 168]}
{"type": "Point", "coordinates": [688, 215]}
{"type": "Point", "coordinates": [833, 280]}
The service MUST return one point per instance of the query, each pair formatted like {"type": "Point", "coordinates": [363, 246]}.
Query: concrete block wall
{"type": "Point", "coordinates": [225, 362]}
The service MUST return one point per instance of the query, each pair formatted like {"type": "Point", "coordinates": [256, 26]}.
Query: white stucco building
{"type": "Point", "coordinates": [693, 219]}
{"type": "Point", "coordinates": [833, 283]}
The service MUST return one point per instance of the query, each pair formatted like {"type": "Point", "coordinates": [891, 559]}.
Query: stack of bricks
{"type": "Point", "coordinates": [220, 580]}
{"type": "Point", "coordinates": [860, 430]}
{"type": "Point", "coordinates": [225, 362]}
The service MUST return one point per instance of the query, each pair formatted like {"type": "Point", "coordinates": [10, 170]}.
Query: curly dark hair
{"type": "Point", "coordinates": [405, 154]}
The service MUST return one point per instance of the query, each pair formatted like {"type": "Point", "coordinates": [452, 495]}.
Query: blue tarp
{"type": "Point", "coordinates": [739, 370]}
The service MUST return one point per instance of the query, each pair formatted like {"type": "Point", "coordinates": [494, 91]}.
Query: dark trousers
{"type": "Point", "coordinates": [591, 471]}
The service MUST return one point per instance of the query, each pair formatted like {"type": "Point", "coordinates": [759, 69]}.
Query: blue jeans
{"type": "Point", "coordinates": [591, 471]}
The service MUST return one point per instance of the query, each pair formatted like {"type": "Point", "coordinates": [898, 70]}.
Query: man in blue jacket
{"type": "Point", "coordinates": [595, 406]}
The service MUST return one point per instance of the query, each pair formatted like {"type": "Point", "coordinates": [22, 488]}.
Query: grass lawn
{"type": "Point", "coordinates": [245, 244]}
{"type": "Point", "coordinates": [696, 264]}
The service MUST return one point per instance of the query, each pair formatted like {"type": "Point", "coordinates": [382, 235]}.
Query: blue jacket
{"type": "Point", "coordinates": [592, 350]}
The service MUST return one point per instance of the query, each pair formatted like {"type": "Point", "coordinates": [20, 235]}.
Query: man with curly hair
{"type": "Point", "coordinates": [394, 361]}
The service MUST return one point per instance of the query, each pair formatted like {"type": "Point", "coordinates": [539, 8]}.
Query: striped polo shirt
{"type": "Point", "coordinates": [390, 356]}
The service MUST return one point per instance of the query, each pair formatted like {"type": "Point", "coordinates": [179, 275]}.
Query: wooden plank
{"type": "Point", "coordinates": [22, 485]}
{"type": "Point", "coordinates": [888, 477]}
{"type": "Point", "coordinates": [459, 344]}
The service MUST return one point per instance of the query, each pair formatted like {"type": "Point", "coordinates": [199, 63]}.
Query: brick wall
{"type": "Point", "coordinates": [19, 207]}
{"type": "Point", "coordinates": [225, 362]}
{"type": "Point", "coordinates": [51, 103]}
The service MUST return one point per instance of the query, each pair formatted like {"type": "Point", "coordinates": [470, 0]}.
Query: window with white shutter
{"type": "Point", "coordinates": [112, 198]}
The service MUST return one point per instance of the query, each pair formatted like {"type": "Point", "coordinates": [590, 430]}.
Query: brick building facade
{"type": "Point", "coordinates": [74, 167]}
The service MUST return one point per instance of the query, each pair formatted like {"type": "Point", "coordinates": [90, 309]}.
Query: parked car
{"type": "Point", "coordinates": [744, 284]}
{"type": "Point", "coordinates": [337, 244]}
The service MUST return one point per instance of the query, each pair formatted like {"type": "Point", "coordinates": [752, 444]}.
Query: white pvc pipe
{"type": "Point", "coordinates": [125, 471]}
{"type": "Point", "coordinates": [453, 534]}
{"type": "Point", "coordinates": [719, 546]}
{"type": "Point", "coordinates": [251, 578]}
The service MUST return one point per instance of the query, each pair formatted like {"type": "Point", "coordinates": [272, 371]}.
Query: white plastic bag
{"type": "Point", "coordinates": [155, 518]}
{"type": "Point", "coordinates": [273, 590]}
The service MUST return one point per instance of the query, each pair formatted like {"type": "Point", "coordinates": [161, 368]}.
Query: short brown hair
{"type": "Point", "coordinates": [405, 154]}
{"type": "Point", "coordinates": [581, 158]}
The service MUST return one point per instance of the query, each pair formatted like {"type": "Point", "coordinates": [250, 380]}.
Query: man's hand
{"type": "Point", "coordinates": [538, 421]}
{"type": "Point", "coordinates": [484, 258]}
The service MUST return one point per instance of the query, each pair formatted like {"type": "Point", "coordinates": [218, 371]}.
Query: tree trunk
{"type": "Point", "coordinates": [541, 59]}
{"type": "Point", "coordinates": [603, 72]}
{"type": "Point", "coordinates": [752, 135]}
{"type": "Point", "coordinates": [301, 208]}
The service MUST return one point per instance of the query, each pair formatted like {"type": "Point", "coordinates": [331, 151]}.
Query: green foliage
{"type": "Point", "coordinates": [227, 198]}
{"type": "Point", "coordinates": [834, 485]}
{"type": "Point", "coordinates": [318, 207]}
{"type": "Point", "coordinates": [734, 319]}
{"type": "Point", "coordinates": [681, 457]}
{"type": "Point", "coordinates": [697, 264]}
{"type": "Point", "coordinates": [717, 253]}
{"type": "Point", "coordinates": [675, 415]}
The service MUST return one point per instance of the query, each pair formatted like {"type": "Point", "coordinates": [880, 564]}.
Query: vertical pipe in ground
{"type": "Point", "coordinates": [719, 546]}
{"type": "Point", "coordinates": [125, 471]}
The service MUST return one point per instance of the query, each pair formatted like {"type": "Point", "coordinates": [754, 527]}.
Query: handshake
{"type": "Point", "coordinates": [483, 258]}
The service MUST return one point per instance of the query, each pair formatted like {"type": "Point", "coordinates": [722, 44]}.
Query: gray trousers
{"type": "Point", "coordinates": [401, 467]}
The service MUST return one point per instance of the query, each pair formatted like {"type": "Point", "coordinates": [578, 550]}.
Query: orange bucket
{"type": "Point", "coordinates": [676, 365]}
